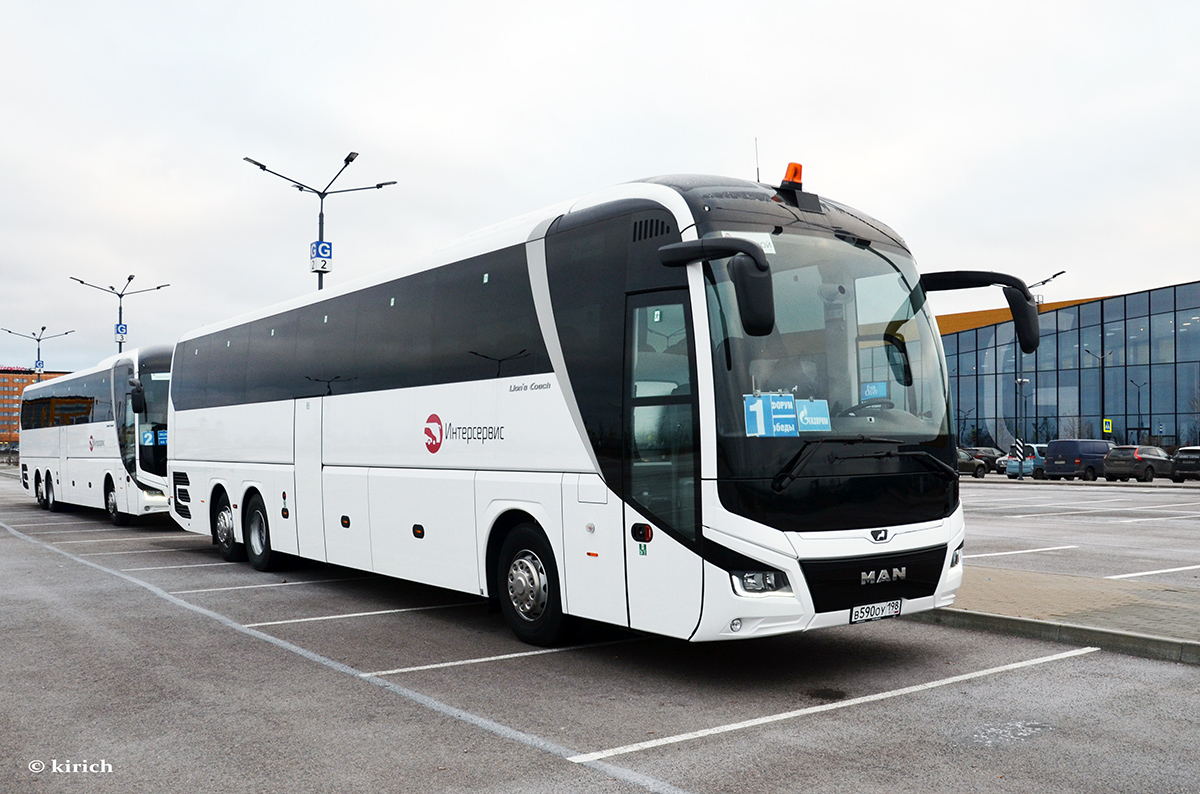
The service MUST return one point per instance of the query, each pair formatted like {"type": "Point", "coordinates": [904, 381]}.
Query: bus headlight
{"type": "Point", "coordinates": [956, 558]}
{"type": "Point", "coordinates": [755, 582]}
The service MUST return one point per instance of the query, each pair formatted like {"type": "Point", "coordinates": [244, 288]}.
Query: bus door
{"type": "Point", "coordinates": [664, 574]}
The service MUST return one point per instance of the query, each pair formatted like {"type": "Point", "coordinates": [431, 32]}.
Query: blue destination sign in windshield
{"type": "Point", "coordinates": [774, 415]}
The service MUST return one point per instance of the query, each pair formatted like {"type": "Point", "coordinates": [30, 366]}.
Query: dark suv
{"type": "Point", "coordinates": [1186, 464]}
{"type": "Point", "coordinates": [1076, 457]}
{"type": "Point", "coordinates": [1140, 462]}
{"type": "Point", "coordinates": [988, 455]}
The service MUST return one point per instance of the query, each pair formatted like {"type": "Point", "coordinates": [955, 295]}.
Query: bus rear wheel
{"type": "Point", "coordinates": [52, 504]}
{"type": "Point", "coordinates": [257, 533]}
{"type": "Point", "coordinates": [231, 550]}
{"type": "Point", "coordinates": [529, 591]}
{"type": "Point", "coordinates": [117, 518]}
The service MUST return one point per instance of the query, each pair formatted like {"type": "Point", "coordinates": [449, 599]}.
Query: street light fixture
{"type": "Point", "coordinates": [324, 251]}
{"type": "Point", "coordinates": [38, 338]}
{"type": "Point", "coordinates": [1103, 360]}
{"type": "Point", "coordinates": [120, 332]}
{"type": "Point", "coordinates": [1139, 386]}
{"type": "Point", "coordinates": [1020, 444]}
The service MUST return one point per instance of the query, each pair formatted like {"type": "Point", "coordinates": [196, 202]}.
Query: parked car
{"type": "Point", "coordinates": [1134, 461]}
{"type": "Point", "coordinates": [1076, 457]}
{"type": "Point", "coordinates": [971, 465]}
{"type": "Point", "coordinates": [1185, 465]}
{"type": "Point", "coordinates": [1002, 463]}
{"type": "Point", "coordinates": [988, 455]}
{"type": "Point", "coordinates": [1033, 465]}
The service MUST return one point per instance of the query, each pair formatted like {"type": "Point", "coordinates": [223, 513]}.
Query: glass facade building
{"type": "Point", "coordinates": [1131, 359]}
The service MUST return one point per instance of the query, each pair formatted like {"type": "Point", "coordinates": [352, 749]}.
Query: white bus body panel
{"type": "Point", "coordinates": [253, 433]}
{"type": "Point", "coordinates": [442, 504]}
{"type": "Point", "coordinates": [665, 581]}
{"type": "Point", "coordinates": [593, 559]}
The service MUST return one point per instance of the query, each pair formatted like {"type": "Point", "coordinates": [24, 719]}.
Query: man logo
{"type": "Point", "coordinates": [871, 577]}
{"type": "Point", "coordinates": [433, 433]}
{"type": "Point", "coordinates": [879, 535]}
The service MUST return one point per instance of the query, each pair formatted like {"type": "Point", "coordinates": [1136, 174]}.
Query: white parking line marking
{"type": "Point", "coordinates": [173, 567]}
{"type": "Point", "coordinates": [787, 715]}
{"type": "Point", "coordinates": [1152, 573]}
{"type": "Point", "coordinates": [1157, 518]}
{"type": "Point", "coordinates": [54, 524]}
{"type": "Point", "coordinates": [357, 614]}
{"type": "Point", "coordinates": [483, 723]}
{"type": "Point", "coordinates": [145, 551]}
{"type": "Point", "coordinates": [1023, 551]}
{"type": "Point", "coordinates": [70, 531]}
{"type": "Point", "coordinates": [484, 659]}
{"type": "Point", "coordinates": [115, 540]}
{"type": "Point", "coordinates": [271, 584]}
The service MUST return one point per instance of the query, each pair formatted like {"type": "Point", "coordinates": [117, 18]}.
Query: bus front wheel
{"type": "Point", "coordinates": [530, 594]}
{"type": "Point", "coordinates": [118, 518]}
{"type": "Point", "coordinates": [39, 490]}
{"type": "Point", "coordinates": [231, 550]}
{"type": "Point", "coordinates": [257, 533]}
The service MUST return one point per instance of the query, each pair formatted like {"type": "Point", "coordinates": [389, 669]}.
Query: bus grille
{"type": "Point", "coordinates": [182, 497]}
{"type": "Point", "coordinates": [849, 582]}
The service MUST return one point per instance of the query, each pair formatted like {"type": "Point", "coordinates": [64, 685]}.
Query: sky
{"type": "Point", "coordinates": [1029, 138]}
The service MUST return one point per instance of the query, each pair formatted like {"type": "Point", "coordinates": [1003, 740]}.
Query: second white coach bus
{"type": "Point", "coordinates": [694, 406]}
{"type": "Point", "coordinates": [98, 437]}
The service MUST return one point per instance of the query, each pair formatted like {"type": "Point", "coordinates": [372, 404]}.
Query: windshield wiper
{"type": "Point", "coordinates": [940, 467]}
{"type": "Point", "coordinates": [798, 462]}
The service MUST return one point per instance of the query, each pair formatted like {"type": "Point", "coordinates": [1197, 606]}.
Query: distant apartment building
{"type": "Point", "coordinates": [13, 381]}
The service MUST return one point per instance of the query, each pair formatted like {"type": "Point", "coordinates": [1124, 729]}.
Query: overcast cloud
{"type": "Point", "coordinates": [1029, 138]}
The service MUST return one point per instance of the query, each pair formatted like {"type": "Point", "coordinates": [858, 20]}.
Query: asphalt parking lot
{"type": "Point", "coordinates": [141, 652]}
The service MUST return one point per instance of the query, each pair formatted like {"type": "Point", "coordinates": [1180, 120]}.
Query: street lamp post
{"type": "Point", "coordinates": [1020, 395]}
{"type": "Point", "coordinates": [38, 338]}
{"type": "Point", "coordinates": [1137, 439]}
{"type": "Point", "coordinates": [1102, 360]}
{"type": "Point", "coordinates": [120, 302]}
{"type": "Point", "coordinates": [321, 194]}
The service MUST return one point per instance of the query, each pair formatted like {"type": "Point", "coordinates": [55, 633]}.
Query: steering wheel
{"type": "Point", "coordinates": [879, 403]}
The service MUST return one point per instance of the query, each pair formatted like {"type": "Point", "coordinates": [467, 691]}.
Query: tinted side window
{"type": "Point", "coordinates": [227, 366]}
{"type": "Point", "coordinates": [271, 358]}
{"type": "Point", "coordinates": [189, 375]}
{"type": "Point", "coordinates": [484, 322]}
{"type": "Point", "coordinates": [395, 334]}
{"type": "Point", "coordinates": [325, 347]}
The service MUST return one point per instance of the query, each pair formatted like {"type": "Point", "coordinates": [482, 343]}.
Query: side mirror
{"type": "Point", "coordinates": [1020, 299]}
{"type": "Point", "coordinates": [749, 272]}
{"type": "Point", "coordinates": [137, 396]}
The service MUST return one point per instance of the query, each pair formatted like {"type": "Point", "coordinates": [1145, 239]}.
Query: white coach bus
{"type": "Point", "coordinates": [98, 437]}
{"type": "Point", "coordinates": [694, 406]}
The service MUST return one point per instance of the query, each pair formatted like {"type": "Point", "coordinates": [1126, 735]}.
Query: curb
{"type": "Point", "coordinates": [1143, 645]}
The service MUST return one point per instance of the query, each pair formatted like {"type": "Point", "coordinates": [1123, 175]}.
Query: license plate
{"type": "Point", "coordinates": [868, 612]}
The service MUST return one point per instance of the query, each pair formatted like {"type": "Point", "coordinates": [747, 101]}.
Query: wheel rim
{"type": "Point", "coordinates": [258, 533]}
{"type": "Point", "coordinates": [37, 492]}
{"type": "Point", "coordinates": [528, 587]}
{"type": "Point", "coordinates": [110, 501]}
{"type": "Point", "coordinates": [225, 526]}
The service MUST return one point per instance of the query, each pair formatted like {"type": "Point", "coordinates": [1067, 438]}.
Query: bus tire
{"type": "Point", "coordinates": [52, 503]}
{"type": "Point", "coordinates": [529, 590]}
{"type": "Point", "coordinates": [223, 533]}
{"type": "Point", "coordinates": [117, 518]}
{"type": "Point", "coordinates": [257, 532]}
{"type": "Point", "coordinates": [39, 490]}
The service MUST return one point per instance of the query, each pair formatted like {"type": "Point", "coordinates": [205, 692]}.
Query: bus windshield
{"type": "Point", "coordinates": [152, 447]}
{"type": "Point", "coordinates": [853, 362]}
